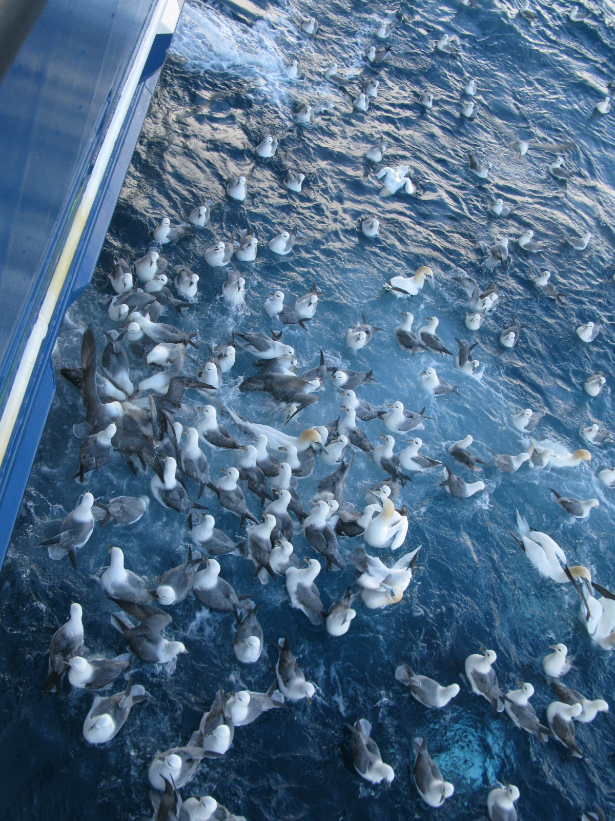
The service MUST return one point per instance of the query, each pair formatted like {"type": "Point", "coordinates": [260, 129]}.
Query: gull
{"type": "Point", "coordinates": [604, 106]}
{"type": "Point", "coordinates": [497, 253]}
{"type": "Point", "coordinates": [499, 209]}
{"type": "Point", "coordinates": [556, 170]}
{"type": "Point", "coordinates": [384, 30]}
{"type": "Point", "coordinates": [526, 242]}
{"type": "Point", "coordinates": [293, 71]}
{"type": "Point", "coordinates": [469, 110]}
{"type": "Point", "coordinates": [370, 87]}
{"type": "Point", "coordinates": [446, 45]}
{"type": "Point", "coordinates": [521, 147]}
{"type": "Point", "coordinates": [426, 99]}
{"type": "Point", "coordinates": [481, 171]}
{"type": "Point", "coordinates": [547, 288]}
{"type": "Point", "coordinates": [377, 54]}
{"type": "Point", "coordinates": [525, 11]}
{"type": "Point", "coordinates": [339, 79]}
{"type": "Point", "coordinates": [361, 103]}
{"type": "Point", "coordinates": [309, 25]}
{"type": "Point", "coordinates": [579, 243]}
{"type": "Point", "coordinates": [375, 153]}
{"type": "Point", "coordinates": [577, 14]}
{"type": "Point", "coordinates": [395, 178]}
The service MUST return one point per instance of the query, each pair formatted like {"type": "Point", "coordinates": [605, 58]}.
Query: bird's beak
{"type": "Point", "coordinates": [389, 406]}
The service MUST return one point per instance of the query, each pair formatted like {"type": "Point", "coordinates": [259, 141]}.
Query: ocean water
{"type": "Point", "coordinates": [223, 89]}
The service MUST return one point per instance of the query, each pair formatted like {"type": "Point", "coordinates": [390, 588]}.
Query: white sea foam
{"type": "Point", "coordinates": [212, 42]}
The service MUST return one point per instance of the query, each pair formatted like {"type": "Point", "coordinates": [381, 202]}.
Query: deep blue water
{"type": "Point", "coordinates": [223, 88]}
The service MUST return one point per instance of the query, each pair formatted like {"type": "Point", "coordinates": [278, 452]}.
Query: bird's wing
{"type": "Point", "coordinates": [360, 754]}
{"type": "Point", "coordinates": [142, 611]}
{"type": "Point", "coordinates": [554, 148]}
{"type": "Point", "coordinates": [501, 127]}
{"type": "Point", "coordinates": [88, 369]}
{"type": "Point", "coordinates": [309, 597]}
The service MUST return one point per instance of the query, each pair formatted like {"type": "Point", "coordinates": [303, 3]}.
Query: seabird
{"type": "Point", "coordinates": [590, 708]}
{"type": "Point", "coordinates": [375, 153]}
{"type": "Point", "coordinates": [340, 615]}
{"type": "Point", "coordinates": [387, 529]}
{"type": "Point", "coordinates": [97, 672]}
{"type": "Point", "coordinates": [107, 716]}
{"type": "Point", "coordinates": [366, 755]}
{"type": "Point", "coordinates": [291, 679]}
{"type": "Point", "coordinates": [321, 536]}
{"type": "Point", "coordinates": [405, 337]}
{"type": "Point", "coordinates": [527, 420]}
{"type": "Point", "coordinates": [293, 181]}
{"type": "Point", "coordinates": [213, 541]}
{"type": "Point", "coordinates": [509, 464]}
{"type": "Point", "coordinates": [483, 680]}
{"type": "Point", "coordinates": [431, 382]}
{"type": "Point", "coordinates": [174, 585]}
{"type": "Point", "coordinates": [521, 147]}
{"type": "Point", "coordinates": [432, 787]}
{"type": "Point", "coordinates": [556, 169]}
{"type": "Point", "coordinates": [522, 714]}
{"type": "Point", "coordinates": [120, 583]}
{"type": "Point", "coordinates": [578, 508]}
{"type": "Point", "coordinates": [304, 114]}
{"type": "Point", "coordinates": [560, 717]}
{"type": "Point", "coordinates": [446, 45]}
{"type": "Point", "coordinates": [424, 689]}
{"type": "Point", "coordinates": [77, 528]}
{"type": "Point", "coordinates": [121, 277]}
{"type": "Point", "coordinates": [212, 591]}
{"type": "Point", "coordinates": [526, 242]}
{"type": "Point", "coordinates": [429, 338]}
{"type": "Point", "coordinates": [167, 489]}
{"type": "Point", "coordinates": [557, 663]}
{"type": "Point", "coordinates": [481, 170]}
{"type": "Point", "coordinates": [394, 180]}
{"type": "Point", "coordinates": [376, 54]}
{"type": "Point", "coordinates": [350, 379]}
{"type": "Point", "coordinates": [413, 461]}
{"type": "Point", "coordinates": [370, 226]}
{"type": "Point", "coordinates": [176, 766]}
{"type": "Point", "coordinates": [146, 640]}
{"type": "Point", "coordinates": [459, 450]}
{"type": "Point", "coordinates": [66, 643]}
{"type": "Point", "coordinates": [501, 803]}
{"type": "Point", "coordinates": [267, 147]}
{"type": "Point", "coordinates": [165, 232]}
